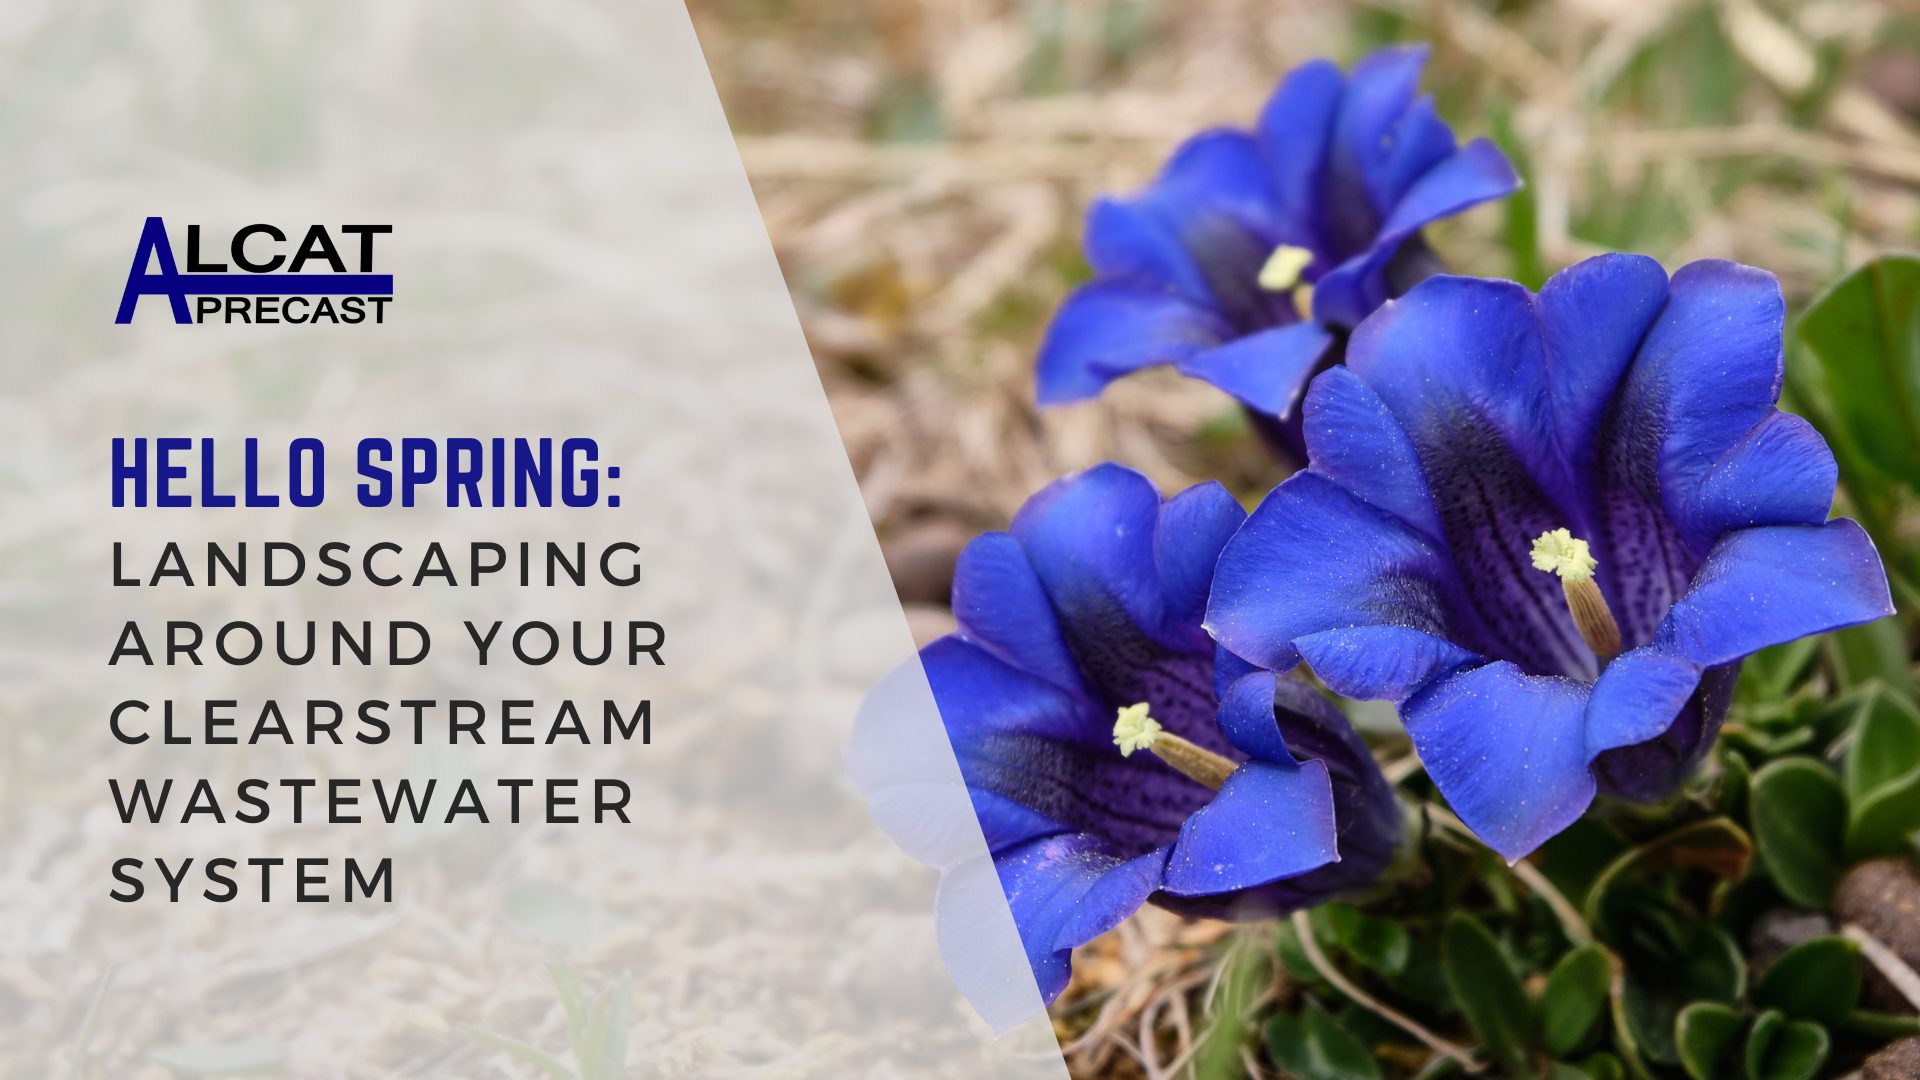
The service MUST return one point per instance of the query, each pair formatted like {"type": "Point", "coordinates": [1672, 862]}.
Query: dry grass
{"type": "Point", "coordinates": [922, 168]}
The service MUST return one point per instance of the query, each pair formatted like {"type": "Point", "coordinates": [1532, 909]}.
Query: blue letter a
{"type": "Point", "coordinates": [153, 241]}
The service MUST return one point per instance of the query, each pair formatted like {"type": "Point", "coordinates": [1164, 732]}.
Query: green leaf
{"type": "Point", "coordinates": [1603, 1067]}
{"type": "Point", "coordinates": [1701, 962]}
{"type": "Point", "coordinates": [1715, 845]}
{"type": "Point", "coordinates": [1782, 1049]}
{"type": "Point", "coordinates": [1381, 944]}
{"type": "Point", "coordinates": [1883, 775]}
{"type": "Point", "coordinates": [1736, 781]}
{"type": "Point", "coordinates": [1574, 1000]}
{"type": "Point", "coordinates": [1886, 742]}
{"type": "Point", "coordinates": [1882, 821]}
{"type": "Point", "coordinates": [602, 1050]}
{"type": "Point", "coordinates": [1865, 331]}
{"type": "Point", "coordinates": [1816, 980]}
{"type": "Point", "coordinates": [1799, 826]}
{"type": "Point", "coordinates": [1708, 1033]}
{"type": "Point", "coordinates": [1484, 985]}
{"type": "Point", "coordinates": [253, 1058]}
{"type": "Point", "coordinates": [1313, 1046]}
{"type": "Point", "coordinates": [573, 997]}
{"type": "Point", "coordinates": [1875, 652]}
{"type": "Point", "coordinates": [1773, 673]}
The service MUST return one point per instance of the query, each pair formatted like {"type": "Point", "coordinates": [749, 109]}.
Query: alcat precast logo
{"type": "Point", "coordinates": [261, 276]}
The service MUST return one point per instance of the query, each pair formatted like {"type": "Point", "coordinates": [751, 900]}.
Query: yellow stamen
{"type": "Point", "coordinates": [1134, 729]}
{"type": "Point", "coordinates": [1303, 302]}
{"type": "Point", "coordinates": [1559, 552]}
{"type": "Point", "coordinates": [1283, 268]}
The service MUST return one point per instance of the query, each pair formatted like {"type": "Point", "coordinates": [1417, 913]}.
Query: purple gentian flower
{"type": "Point", "coordinates": [1080, 644]}
{"type": "Point", "coordinates": [1255, 252]}
{"type": "Point", "coordinates": [1619, 431]}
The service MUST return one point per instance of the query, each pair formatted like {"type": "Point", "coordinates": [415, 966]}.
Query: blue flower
{"type": "Point", "coordinates": [1617, 433]}
{"type": "Point", "coordinates": [1088, 610]}
{"type": "Point", "coordinates": [1255, 252]}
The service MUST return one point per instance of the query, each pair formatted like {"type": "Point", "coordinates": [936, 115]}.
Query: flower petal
{"type": "Point", "coordinates": [1707, 373]}
{"type": "Point", "coordinates": [1774, 584]}
{"type": "Point", "coordinates": [1090, 538]}
{"type": "Point", "coordinates": [1420, 140]}
{"type": "Point", "coordinates": [1247, 716]}
{"type": "Point", "coordinates": [1117, 895]}
{"type": "Point", "coordinates": [1354, 441]}
{"type": "Point", "coordinates": [1781, 473]}
{"type": "Point", "coordinates": [1379, 90]}
{"type": "Point", "coordinates": [1637, 698]}
{"type": "Point", "coordinates": [1266, 370]}
{"type": "Point", "coordinates": [1043, 885]}
{"type": "Point", "coordinates": [1461, 364]}
{"type": "Point", "coordinates": [1269, 822]}
{"type": "Point", "coordinates": [1478, 172]}
{"type": "Point", "coordinates": [1203, 228]}
{"type": "Point", "coordinates": [1508, 750]}
{"type": "Point", "coordinates": [1193, 526]}
{"type": "Point", "coordinates": [1001, 606]}
{"type": "Point", "coordinates": [1294, 130]}
{"type": "Point", "coordinates": [1380, 662]}
{"type": "Point", "coordinates": [1108, 329]}
{"type": "Point", "coordinates": [1594, 315]}
{"type": "Point", "coordinates": [1314, 558]}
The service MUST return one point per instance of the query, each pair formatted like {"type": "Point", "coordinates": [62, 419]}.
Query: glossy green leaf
{"type": "Point", "coordinates": [1313, 1046]}
{"type": "Point", "coordinates": [1708, 1034]}
{"type": "Point", "coordinates": [1487, 990]}
{"type": "Point", "coordinates": [1574, 1000]}
{"type": "Point", "coordinates": [1886, 742]}
{"type": "Point", "coordinates": [1865, 332]}
{"type": "Point", "coordinates": [1882, 821]}
{"type": "Point", "coordinates": [1799, 826]}
{"type": "Point", "coordinates": [1816, 980]}
{"type": "Point", "coordinates": [1782, 1049]}
{"type": "Point", "coordinates": [1702, 962]}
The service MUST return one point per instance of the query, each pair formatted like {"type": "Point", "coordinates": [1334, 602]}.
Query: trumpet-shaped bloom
{"type": "Point", "coordinates": [1255, 252]}
{"type": "Point", "coordinates": [1086, 612]}
{"type": "Point", "coordinates": [1500, 481]}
